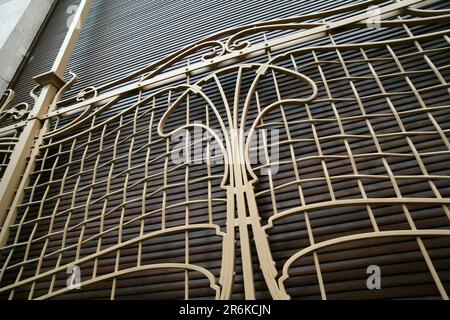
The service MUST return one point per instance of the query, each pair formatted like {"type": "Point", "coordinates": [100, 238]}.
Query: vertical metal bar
{"type": "Point", "coordinates": [186, 193]}
{"type": "Point", "coordinates": [51, 83]}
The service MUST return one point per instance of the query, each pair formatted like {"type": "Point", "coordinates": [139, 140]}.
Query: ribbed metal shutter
{"type": "Point", "coordinates": [122, 36]}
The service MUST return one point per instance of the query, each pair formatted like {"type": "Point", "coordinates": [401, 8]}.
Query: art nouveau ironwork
{"type": "Point", "coordinates": [102, 190]}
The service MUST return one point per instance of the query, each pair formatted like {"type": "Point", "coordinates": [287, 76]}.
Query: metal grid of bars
{"type": "Point", "coordinates": [360, 131]}
{"type": "Point", "coordinates": [118, 166]}
{"type": "Point", "coordinates": [7, 143]}
{"type": "Point", "coordinates": [363, 150]}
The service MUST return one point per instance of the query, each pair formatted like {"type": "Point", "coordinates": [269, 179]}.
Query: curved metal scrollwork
{"type": "Point", "coordinates": [18, 112]}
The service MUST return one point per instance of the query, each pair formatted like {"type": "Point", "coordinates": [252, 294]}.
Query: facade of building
{"type": "Point", "coordinates": [229, 150]}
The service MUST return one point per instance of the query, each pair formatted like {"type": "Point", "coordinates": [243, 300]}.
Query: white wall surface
{"type": "Point", "coordinates": [19, 22]}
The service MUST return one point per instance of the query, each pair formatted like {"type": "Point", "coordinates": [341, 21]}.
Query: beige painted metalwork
{"type": "Point", "coordinates": [101, 190]}
{"type": "Point", "coordinates": [50, 83]}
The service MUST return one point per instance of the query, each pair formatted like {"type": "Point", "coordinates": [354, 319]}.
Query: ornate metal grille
{"type": "Point", "coordinates": [361, 177]}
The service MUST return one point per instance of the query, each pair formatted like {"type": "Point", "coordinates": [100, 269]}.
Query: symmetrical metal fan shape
{"type": "Point", "coordinates": [281, 164]}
